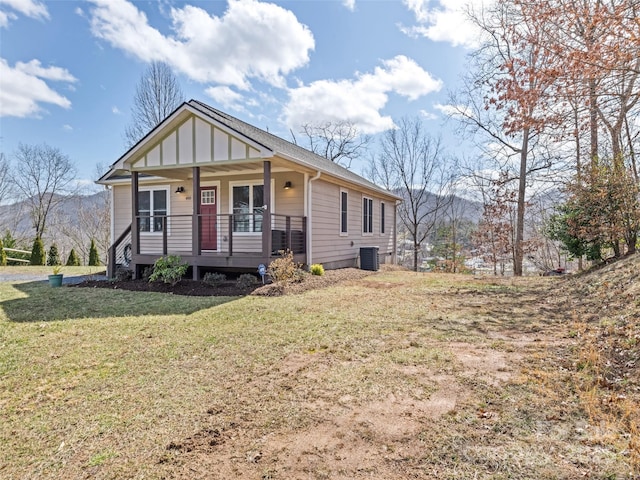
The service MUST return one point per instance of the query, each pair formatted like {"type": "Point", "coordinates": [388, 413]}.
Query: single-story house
{"type": "Point", "coordinates": [226, 195]}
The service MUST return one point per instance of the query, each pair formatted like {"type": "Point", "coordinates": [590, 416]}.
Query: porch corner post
{"type": "Point", "coordinates": [195, 220]}
{"type": "Point", "coordinates": [266, 217]}
{"type": "Point", "coordinates": [135, 227]}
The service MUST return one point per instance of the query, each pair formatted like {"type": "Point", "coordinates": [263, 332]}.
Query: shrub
{"type": "Point", "coordinates": [169, 269]}
{"type": "Point", "coordinates": [53, 258]}
{"type": "Point", "coordinates": [284, 269]}
{"type": "Point", "coordinates": [123, 274]}
{"type": "Point", "coordinates": [3, 255]}
{"type": "Point", "coordinates": [37, 252]}
{"type": "Point", "coordinates": [72, 259]}
{"type": "Point", "coordinates": [214, 278]}
{"type": "Point", "coordinates": [146, 273]}
{"type": "Point", "coordinates": [94, 258]}
{"type": "Point", "coordinates": [246, 280]}
{"type": "Point", "coordinates": [316, 269]}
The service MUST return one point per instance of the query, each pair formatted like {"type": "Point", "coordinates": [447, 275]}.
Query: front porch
{"type": "Point", "coordinates": [227, 241]}
{"type": "Point", "coordinates": [203, 236]}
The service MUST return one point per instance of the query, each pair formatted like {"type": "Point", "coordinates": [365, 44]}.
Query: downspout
{"type": "Point", "coordinates": [395, 232]}
{"type": "Point", "coordinates": [309, 220]}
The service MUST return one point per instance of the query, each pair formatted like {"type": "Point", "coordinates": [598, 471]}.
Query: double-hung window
{"type": "Point", "coordinates": [367, 215]}
{"type": "Point", "coordinates": [344, 208]}
{"type": "Point", "coordinates": [248, 207]}
{"type": "Point", "coordinates": [152, 209]}
{"type": "Point", "coordinates": [382, 218]}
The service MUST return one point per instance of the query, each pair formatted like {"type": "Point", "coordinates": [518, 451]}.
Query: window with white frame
{"type": "Point", "coordinates": [382, 218]}
{"type": "Point", "coordinates": [248, 207]}
{"type": "Point", "coordinates": [367, 215]}
{"type": "Point", "coordinates": [153, 209]}
{"type": "Point", "coordinates": [344, 209]}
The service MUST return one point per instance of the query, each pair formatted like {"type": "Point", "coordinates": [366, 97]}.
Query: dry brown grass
{"type": "Point", "coordinates": [395, 375]}
{"type": "Point", "coordinates": [606, 305]}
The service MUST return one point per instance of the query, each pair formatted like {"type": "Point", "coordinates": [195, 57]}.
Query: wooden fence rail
{"type": "Point", "coordinates": [15, 250]}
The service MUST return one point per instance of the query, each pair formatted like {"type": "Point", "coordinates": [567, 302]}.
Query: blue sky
{"type": "Point", "coordinates": [68, 69]}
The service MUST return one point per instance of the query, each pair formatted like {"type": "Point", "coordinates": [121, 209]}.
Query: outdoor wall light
{"type": "Point", "coordinates": [180, 189]}
{"type": "Point", "coordinates": [287, 185]}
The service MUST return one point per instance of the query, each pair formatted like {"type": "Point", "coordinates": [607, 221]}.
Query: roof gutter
{"type": "Point", "coordinates": [309, 222]}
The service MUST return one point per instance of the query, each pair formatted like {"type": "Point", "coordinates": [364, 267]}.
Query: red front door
{"type": "Point", "coordinates": [208, 217]}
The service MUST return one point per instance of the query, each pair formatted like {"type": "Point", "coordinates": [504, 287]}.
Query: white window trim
{"type": "Point", "coordinates": [366, 234]}
{"type": "Point", "coordinates": [250, 183]}
{"type": "Point", "coordinates": [343, 234]}
{"type": "Point", "coordinates": [383, 226]}
{"type": "Point", "coordinates": [155, 188]}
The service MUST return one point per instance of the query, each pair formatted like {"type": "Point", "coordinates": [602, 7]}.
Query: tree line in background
{"type": "Point", "coordinates": [41, 184]}
{"type": "Point", "coordinates": [42, 203]}
{"type": "Point", "coordinates": [551, 101]}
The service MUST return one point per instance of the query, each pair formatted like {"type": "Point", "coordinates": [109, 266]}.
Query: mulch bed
{"type": "Point", "coordinates": [230, 288]}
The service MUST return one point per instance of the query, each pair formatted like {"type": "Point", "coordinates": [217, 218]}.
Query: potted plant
{"type": "Point", "coordinates": [55, 279]}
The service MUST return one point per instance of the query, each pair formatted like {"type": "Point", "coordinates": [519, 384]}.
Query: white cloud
{"type": "Point", "coordinates": [251, 40]}
{"type": "Point", "coordinates": [115, 110]}
{"type": "Point", "coordinates": [67, 128]}
{"type": "Point", "coordinates": [5, 18]}
{"type": "Point", "coordinates": [349, 4]}
{"type": "Point", "coordinates": [445, 21]}
{"type": "Point", "coordinates": [359, 101]}
{"type": "Point", "coordinates": [22, 88]}
{"type": "Point", "coordinates": [34, 68]}
{"type": "Point", "coordinates": [28, 8]}
{"type": "Point", "coordinates": [453, 110]}
{"type": "Point", "coordinates": [428, 115]}
{"type": "Point", "coordinates": [225, 97]}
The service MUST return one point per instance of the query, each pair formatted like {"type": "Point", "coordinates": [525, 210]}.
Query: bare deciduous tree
{"type": "Point", "coordinates": [42, 177]}
{"type": "Point", "coordinates": [158, 93]}
{"type": "Point", "coordinates": [339, 142]}
{"type": "Point", "coordinates": [411, 164]}
{"type": "Point", "coordinates": [5, 181]}
{"type": "Point", "coordinates": [91, 220]}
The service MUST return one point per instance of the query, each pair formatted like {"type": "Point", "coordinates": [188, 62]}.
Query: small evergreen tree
{"type": "Point", "coordinates": [53, 257]}
{"type": "Point", "coordinates": [37, 252]}
{"type": "Point", "coordinates": [73, 260]}
{"type": "Point", "coordinates": [94, 258]}
{"type": "Point", "coordinates": [3, 255]}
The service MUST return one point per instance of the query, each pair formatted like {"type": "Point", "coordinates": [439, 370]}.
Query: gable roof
{"type": "Point", "coordinates": [271, 145]}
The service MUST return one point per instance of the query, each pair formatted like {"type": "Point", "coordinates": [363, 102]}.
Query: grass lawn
{"type": "Point", "coordinates": [397, 375]}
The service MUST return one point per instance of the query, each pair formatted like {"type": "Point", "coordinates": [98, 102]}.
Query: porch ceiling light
{"type": "Point", "coordinates": [287, 185]}
{"type": "Point", "coordinates": [180, 189]}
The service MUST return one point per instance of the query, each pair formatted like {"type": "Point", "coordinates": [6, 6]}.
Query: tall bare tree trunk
{"type": "Point", "coordinates": [522, 185]}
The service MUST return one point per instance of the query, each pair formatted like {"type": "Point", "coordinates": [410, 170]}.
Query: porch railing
{"type": "Point", "coordinates": [120, 252]}
{"type": "Point", "coordinates": [227, 234]}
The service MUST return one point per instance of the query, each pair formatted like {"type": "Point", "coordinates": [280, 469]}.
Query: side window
{"type": "Point", "coordinates": [367, 215]}
{"type": "Point", "coordinates": [344, 216]}
{"type": "Point", "coordinates": [382, 217]}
